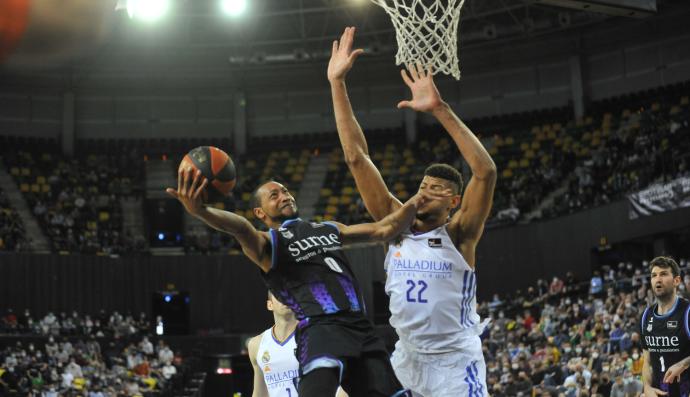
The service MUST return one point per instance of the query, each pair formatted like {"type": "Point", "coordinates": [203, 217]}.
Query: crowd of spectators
{"type": "Point", "coordinates": [569, 337]}
{"type": "Point", "coordinates": [647, 146]}
{"type": "Point", "coordinates": [66, 324]}
{"type": "Point", "coordinates": [84, 356]}
{"type": "Point", "coordinates": [77, 200]}
{"type": "Point", "coordinates": [12, 233]}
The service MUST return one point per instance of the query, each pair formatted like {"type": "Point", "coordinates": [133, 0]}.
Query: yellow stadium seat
{"type": "Point", "coordinates": [402, 195]}
{"type": "Point", "coordinates": [35, 188]}
{"type": "Point", "coordinates": [524, 163]}
{"type": "Point", "coordinates": [399, 186]}
{"type": "Point", "coordinates": [509, 141]}
{"type": "Point", "coordinates": [535, 145]}
{"type": "Point", "coordinates": [331, 210]}
{"type": "Point", "coordinates": [524, 146]}
{"type": "Point", "coordinates": [328, 217]}
{"type": "Point", "coordinates": [333, 200]}
{"type": "Point", "coordinates": [26, 171]}
{"type": "Point", "coordinates": [14, 171]}
{"type": "Point", "coordinates": [674, 110]}
{"type": "Point", "coordinates": [348, 190]}
{"type": "Point", "coordinates": [512, 164]}
{"type": "Point", "coordinates": [45, 188]}
{"type": "Point", "coordinates": [536, 130]}
{"type": "Point", "coordinates": [346, 200]}
{"type": "Point", "coordinates": [507, 173]}
{"type": "Point", "coordinates": [24, 187]}
{"type": "Point", "coordinates": [40, 180]}
{"type": "Point", "coordinates": [530, 154]}
{"type": "Point", "coordinates": [493, 150]}
{"type": "Point", "coordinates": [103, 216]}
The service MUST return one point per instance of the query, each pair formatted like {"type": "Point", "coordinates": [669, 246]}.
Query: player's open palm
{"type": "Point", "coordinates": [425, 95]}
{"type": "Point", "coordinates": [342, 55]}
{"type": "Point", "coordinates": [189, 189]}
{"type": "Point", "coordinates": [653, 392]}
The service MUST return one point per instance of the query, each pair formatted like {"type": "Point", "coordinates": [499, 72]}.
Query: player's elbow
{"type": "Point", "coordinates": [354, 157]}
{"type": "Point", "coordinates": [487, 171]}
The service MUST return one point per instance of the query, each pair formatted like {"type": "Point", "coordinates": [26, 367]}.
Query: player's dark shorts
{"type": "Point", "coordinates": [349, 339]}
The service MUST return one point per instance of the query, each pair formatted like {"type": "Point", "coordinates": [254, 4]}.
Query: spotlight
{"type": "Point", "coordinates": [167, 298]}
{"type": "Point", "coordinates": [148, 10]}
{"type": "Point", "coordinates": [161, 236]}
{"type": "Point", "coordinates": [233, 7]}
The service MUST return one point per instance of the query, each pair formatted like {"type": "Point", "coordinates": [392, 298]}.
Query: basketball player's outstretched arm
{"type": "Point", "coordinates": [377, 198]}
{"type": "Point", "coordinates": [387, 228]}
{"type": "Point", "coordinates": [259, 389]}
{"type": "Point", "coordinates": [256, 245]}
{"type": "Point", "coordinates": [468, 223]}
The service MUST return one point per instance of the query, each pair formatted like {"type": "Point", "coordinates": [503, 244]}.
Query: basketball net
{"type": "Point", "coordinates": [426, 32]}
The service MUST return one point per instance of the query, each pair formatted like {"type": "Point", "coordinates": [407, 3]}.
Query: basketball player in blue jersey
{"type": "Point", "coordinates": [431, 277]}
{"type": "Point", "coordinates": [665, 332]}
{"type": "Point", "coordinates": [305, 268]}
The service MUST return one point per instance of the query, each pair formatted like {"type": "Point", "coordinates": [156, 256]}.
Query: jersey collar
{"type": "Point", "coordinates": [289, 221]}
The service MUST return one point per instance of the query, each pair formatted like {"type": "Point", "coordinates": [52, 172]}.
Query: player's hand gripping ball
{"type": "Point", "coordinates": [216, 166]}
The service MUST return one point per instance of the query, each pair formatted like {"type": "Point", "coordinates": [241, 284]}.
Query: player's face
{"type": "Point", "coordinates": [445, 198]}
{"type": "Point", "coordinates": [277, 202]}
{"type": "Point", "coordinates": [663, 282]}
{"type": "Point", "coordinates": [277, 307]}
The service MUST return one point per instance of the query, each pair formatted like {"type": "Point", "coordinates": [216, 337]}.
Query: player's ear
{"type": "Point", "coordinates": [269, 305]}
{"type": "Point", "coordinates": [455, 201]}
{"type": "Point", "coordinates": [259, 213]}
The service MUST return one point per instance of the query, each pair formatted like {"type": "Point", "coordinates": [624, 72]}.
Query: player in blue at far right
{"type": "Point", "coordinates": [431, 269]}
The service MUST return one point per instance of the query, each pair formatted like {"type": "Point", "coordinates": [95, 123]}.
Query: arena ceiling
{"type": "Point", "coordinates": [289, 30]}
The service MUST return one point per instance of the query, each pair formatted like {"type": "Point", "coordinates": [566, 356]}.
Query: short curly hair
{"type": "Point", "coordinates": [447, 172]}
{"type": "Point", "coordinates": [665, 262]}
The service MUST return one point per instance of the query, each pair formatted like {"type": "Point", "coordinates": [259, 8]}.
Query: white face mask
{"type": "Point", "coordinates": [578, 350]}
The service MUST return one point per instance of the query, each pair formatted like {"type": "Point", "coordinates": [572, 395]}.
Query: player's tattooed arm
{"type": "Point", "coordinates": [675, 370]}
{"type": "Point", "coordinates": [377, 198]}
{"type": "Point", "coordinates": [259, 389]}
{"type": "Point", "coordinates": [648, 390]}
{"type": "Point", "coordinates": [256, 245]}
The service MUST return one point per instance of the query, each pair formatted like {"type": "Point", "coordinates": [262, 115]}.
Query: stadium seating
{"type": "Point", "coordinates": [12, 233]}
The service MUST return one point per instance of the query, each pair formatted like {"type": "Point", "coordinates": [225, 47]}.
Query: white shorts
{"type": "Point", "coordinates": [454, 374]}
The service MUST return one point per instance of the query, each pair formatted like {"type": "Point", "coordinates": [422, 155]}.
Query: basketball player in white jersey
{"type": "Point", "coordinates": [272, 354]}
{"type": "Point", "coordinates": [431, 275]}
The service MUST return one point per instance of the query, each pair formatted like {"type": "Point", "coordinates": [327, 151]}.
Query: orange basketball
{"type": "Point", "coordinates": [216, 166]}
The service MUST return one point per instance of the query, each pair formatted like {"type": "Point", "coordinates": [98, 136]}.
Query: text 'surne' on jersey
{"type": "Point", "coordinates": [310, 273]}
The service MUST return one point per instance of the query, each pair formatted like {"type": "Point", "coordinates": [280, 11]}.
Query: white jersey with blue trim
{"type": "Point", "coordinates": [432, 293]}
{"type": "Point", "coordinates": [278, 364]}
